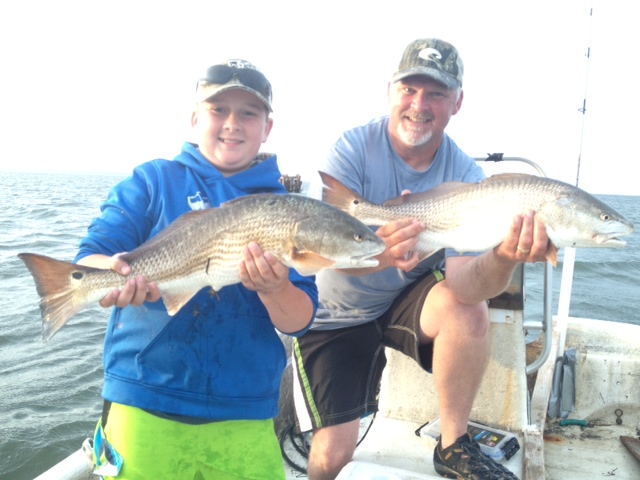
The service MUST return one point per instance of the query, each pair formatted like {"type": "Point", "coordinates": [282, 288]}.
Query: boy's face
{"type": "Point", "coordinates": [229, 128]}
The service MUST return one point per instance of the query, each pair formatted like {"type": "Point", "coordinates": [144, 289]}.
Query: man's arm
{"type": "Point", "coordinates": [476, 279]}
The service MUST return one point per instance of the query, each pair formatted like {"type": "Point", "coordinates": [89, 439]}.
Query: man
{"type": "Point", "coordinates": [405, 303]}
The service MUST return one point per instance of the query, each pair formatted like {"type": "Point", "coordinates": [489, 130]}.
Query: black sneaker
{"type": "Point", "coordinates": [464, 460]}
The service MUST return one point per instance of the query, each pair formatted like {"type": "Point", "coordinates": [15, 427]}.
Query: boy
{"type": "Point", "coordinates": [194, 395]}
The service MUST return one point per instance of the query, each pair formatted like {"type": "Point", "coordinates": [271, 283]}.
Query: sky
{"type": "Point", "coordinates": [102, 86]}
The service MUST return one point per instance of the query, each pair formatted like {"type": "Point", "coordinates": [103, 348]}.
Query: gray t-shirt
{"type": "Point", "coordinates": [364, 160]}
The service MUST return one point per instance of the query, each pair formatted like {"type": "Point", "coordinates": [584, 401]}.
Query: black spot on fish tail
{"type": "Point", "coordinates": [53, 279]}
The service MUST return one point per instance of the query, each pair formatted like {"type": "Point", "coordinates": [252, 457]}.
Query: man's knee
{"type": "Point", "coordinates": [331, 449]}
{"type": "Point", "coordinates": [442, 311]}
{"type": "Point", "coordinates": [329, 464]}
{"type": "Point", "coordinates": [476, 320]}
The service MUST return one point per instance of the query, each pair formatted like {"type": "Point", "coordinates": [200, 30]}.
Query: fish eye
{"type": "Point", "coordinates": [77, 275]}
{"type": "Point", "coordinates": [358, 237]}
{"type": "Point", "coordinates": [605, 217]}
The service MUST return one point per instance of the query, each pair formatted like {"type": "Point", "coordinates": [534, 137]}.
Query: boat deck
{"type": "Point", "coordinates": [607, 382]}
{"type": "Point", "coordinates": [574, 452]}
{"type": "Point", "coordinates": [392, 450]}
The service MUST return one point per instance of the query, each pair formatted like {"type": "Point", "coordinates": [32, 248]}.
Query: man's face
{"type": "Point", "coordinates": [230, 128]}
{"type": "Point", "coordinates": [421, 109]}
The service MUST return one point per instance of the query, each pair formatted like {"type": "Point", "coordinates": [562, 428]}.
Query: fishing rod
{"type": "Point", "coordinates": [569, 257]}
{"type": "Point", "coordinates": [583, 110]}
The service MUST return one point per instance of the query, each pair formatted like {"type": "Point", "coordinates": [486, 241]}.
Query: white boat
{"type": "Point", "coordinates": [599, 395]}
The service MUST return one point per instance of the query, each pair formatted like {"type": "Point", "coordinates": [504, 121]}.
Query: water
{"type": "Point", "coordinates": [50, 392]}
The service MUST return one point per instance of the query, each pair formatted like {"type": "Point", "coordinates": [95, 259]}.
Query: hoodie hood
{"type": "Point", "coordinates": [262, 172]}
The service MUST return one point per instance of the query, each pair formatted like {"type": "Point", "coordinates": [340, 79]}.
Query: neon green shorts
{"type": "Point", "coordinates": [153, 447]}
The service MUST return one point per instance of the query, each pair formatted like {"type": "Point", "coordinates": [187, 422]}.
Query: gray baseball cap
{"type": "Point", "coordinates": [434, 58]}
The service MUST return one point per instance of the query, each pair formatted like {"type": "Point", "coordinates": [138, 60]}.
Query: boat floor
{"type": "Point", "coordinates": [392, 450]}
{"type": "Point", "coordinates": [392, 447]}
{"type": "Point", "coordinates": [574, 452]}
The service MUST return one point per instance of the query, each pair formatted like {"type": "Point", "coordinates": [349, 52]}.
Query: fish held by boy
{"type": "Point", "coordinates": [475, 217]}
{"type": "Point", "coordinates": [204, 248]}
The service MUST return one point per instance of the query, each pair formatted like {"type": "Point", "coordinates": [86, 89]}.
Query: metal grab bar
{"type": "Point", "coordinates": [547, 321]}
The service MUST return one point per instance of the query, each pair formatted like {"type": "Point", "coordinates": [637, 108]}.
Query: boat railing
{"type": "Point", "coordinates": [546, 324]}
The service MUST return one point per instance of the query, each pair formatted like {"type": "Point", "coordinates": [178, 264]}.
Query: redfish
{"type": "Point", "coordinates": [475, 217]}
{"type": "Point", "coordinates": [204, 249]}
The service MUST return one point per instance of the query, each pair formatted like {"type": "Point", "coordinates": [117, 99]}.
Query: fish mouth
{"type": "Point", "coordinates": [609, 240]}
{"type": "Point", "coordinates": [364, 260]}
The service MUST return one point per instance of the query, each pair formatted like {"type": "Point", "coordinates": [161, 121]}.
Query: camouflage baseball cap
{"type": "Point", "coordinates": [434, 58]}
{"type": "Point", "coordinates": [232, 74]}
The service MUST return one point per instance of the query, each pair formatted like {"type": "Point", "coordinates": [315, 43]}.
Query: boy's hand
{"type": "Point", "coordinates": [262, 272]}
{"type": "Point", "coordinates": [135, 292]}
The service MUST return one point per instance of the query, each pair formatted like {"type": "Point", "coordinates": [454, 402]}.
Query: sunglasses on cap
{"type": "Point", "coordinates": [243, 72]}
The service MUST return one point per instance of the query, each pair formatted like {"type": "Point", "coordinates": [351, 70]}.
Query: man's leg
{"type": "Point", "coordinates": [336, 378]}
{"type": "Point", "coordinates": [332, 448]}
{"type": "Point", "coordinates": [460, 356]}
{"type": "Point", "coordinates": [460, 359]}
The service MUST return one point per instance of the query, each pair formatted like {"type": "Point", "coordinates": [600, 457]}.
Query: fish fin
{"type": "Point", "coordinates": [422, 254]}
{"type": "Point", "coordinates": [339, 195]}
{"type": "Point", "coordinates": [175, 228]}
{"type": "Point", "coordinates": [309, 263]}
{"type": "Point", "coordinates": [176, 300]}
{"type": "Point", "coordinates": [56, 283]}
{"type": "Point", "coordinates": [442, 189]}
{"type": "Point", "coordinates": [243, 199]}
{"type": "Point", "coordinates": [552, 254]}
{"type": "Point", "coordinates": [507, 175]}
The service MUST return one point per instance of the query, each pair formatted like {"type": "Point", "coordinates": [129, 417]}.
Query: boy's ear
{"type": "Point", "coordinates": [267, 129]}
{"type": "Point", "coordinates": [194, 117]}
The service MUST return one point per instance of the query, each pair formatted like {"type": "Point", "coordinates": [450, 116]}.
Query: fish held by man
{"type": "Point", "coordinates": [475, 217]}
{"type": "Point", "coordinates": [204, 249]}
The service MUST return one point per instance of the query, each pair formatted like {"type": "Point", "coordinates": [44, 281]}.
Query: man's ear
{"type": "Point", "coordinates": [458, 103]}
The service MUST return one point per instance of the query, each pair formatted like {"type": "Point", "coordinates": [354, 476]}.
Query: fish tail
{"type": "Point", "coordinates": [340, 196]}
{"type": "Point", "coordinates": [56, 283]}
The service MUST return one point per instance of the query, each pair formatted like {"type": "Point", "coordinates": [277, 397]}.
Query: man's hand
{"type": "Point", "coordinates": [527, 240]}
{"type": "Point", "coordinates": [401, 238]}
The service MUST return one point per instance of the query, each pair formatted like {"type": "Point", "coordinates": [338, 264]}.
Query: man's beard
{"type": "Point", "coordinates": [413, 137]}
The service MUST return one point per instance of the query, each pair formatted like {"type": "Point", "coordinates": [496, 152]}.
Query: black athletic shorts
{"type": "Point", "coordinates": [337, 372]}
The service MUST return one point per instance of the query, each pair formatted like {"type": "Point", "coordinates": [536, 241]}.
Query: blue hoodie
{"type": "Point", "coordinates": [218, 358]}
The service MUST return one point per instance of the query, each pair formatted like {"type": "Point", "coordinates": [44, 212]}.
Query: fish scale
{"type": "Point", "coordinates": [475, 217]}
{"type": "Point", "coordinates": [205, 249]}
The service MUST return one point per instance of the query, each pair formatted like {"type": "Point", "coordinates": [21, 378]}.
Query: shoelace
{"type": "Point", "coordinates": [479, 463]}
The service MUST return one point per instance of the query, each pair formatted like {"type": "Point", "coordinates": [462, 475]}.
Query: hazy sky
{"type": "Point", "coordinates": [104, 86]}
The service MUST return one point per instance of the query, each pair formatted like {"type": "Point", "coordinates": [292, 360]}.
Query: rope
{"type": "Point", "coordinates": [303, 447]}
